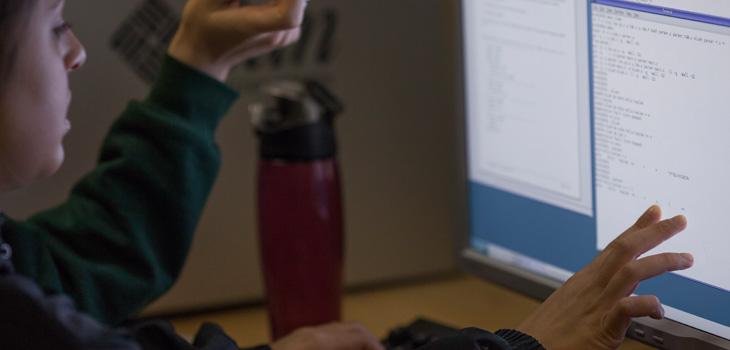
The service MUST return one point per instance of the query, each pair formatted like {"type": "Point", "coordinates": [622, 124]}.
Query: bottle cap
{"type": "Point", "coordinates": [289, 104]}
{"type": "Point", "coordinates": [294, 120]}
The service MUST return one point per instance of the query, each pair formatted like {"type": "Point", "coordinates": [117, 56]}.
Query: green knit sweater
{"type": "Point", "coordinates": [122, 237]}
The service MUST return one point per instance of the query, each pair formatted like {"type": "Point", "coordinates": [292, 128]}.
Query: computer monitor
{"type": "Point", "coordinates": [580, 114]}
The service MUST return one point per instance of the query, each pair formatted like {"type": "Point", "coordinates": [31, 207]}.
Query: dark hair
{"type": "Point", "coordinates": [14, 15]}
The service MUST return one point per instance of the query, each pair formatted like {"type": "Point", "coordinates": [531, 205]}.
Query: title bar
{"type": "Point", "coordinates": [718, 8]}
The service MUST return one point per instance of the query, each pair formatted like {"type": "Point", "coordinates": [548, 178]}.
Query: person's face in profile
{"type": "Point", "coordinates": [35, 96]}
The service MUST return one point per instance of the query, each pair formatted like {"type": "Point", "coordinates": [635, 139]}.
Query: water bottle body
{"type": "Point", "coordinates": [302, 245]}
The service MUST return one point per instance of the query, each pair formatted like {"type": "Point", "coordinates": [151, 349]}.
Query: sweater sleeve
{"type": "Point", "coordinates": [122, 237]}
{"type": "Point", "coordinates": [519, 340]}
{"type": "Point", "coordinates": [477, 339]}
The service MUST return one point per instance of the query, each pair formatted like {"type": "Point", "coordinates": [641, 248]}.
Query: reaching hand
{"type": "Point", "coordinates": [216, 35]}
{"type": "Point", "coordinates": [336, 336]}
{"type": "Point", "coordinates": [593, 310]}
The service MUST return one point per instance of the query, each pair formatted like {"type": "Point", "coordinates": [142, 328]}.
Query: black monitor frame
{"type": "Point", "coordinates": [664, 334]}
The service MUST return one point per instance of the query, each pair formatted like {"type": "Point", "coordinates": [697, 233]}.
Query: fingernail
{"type": "Point", "coordinates": [652, 209]}
{"type": "Point", "coordinates": [680, 220]}
{"type": "Point", "coordinates": [658, 313]}
{"type": "Point", "coordinates": [688, 258]}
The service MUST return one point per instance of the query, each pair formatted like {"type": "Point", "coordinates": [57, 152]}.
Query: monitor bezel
{"type": "Point", "coordinates": [665, 334]}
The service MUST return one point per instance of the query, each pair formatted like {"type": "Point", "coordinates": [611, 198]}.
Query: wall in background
{"type": "Point", "coordinates": [394, 65]}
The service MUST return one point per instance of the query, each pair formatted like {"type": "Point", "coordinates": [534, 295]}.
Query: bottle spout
{"type": "Point", "coordinates": [288, 104]}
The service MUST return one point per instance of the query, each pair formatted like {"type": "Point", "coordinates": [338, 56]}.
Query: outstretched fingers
{"type": "Point", "coordinates": [624, 282]}
{"type": "Point", "coordinates": [637, 241]}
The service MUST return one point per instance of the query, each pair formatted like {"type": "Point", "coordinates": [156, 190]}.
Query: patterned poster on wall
{"type": "Point", "coordinates": [142, 39]}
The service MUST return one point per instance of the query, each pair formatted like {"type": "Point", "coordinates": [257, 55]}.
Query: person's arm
{"type": "Point", "coordinates": [158, 335]}
{"type": "Point", "coordinates": [31, 320]}
{"type": "Point", "coordinates": [123, 235]}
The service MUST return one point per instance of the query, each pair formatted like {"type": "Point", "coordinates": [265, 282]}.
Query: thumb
{"type": "Point", "coordinates": [265, 43]}
{"type": "Point", "coordinates": [619, 318]}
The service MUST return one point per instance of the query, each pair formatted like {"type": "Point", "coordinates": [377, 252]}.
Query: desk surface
{"type": "Point", "coordinates": [459, 301]}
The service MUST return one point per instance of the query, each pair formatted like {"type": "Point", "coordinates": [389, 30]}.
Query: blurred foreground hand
{"type": "Point", "coordinates": [216, 35]}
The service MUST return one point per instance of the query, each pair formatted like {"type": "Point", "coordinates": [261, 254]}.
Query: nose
{"type": "Point", "coordinates": [76, 56]}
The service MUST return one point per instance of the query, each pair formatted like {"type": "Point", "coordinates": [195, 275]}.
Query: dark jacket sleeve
{"type": "Point", "coordinates": [477, 339]}
{"type": "Point", "coordinates": [121, 238]}
{"type": "Point", "coordinates": [30, 320]}
{"type": "Point", "coordinates": [160, 335]}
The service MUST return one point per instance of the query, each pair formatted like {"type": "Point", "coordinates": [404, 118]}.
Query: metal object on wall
{"type": "Point", "coordinates": [394, 65]}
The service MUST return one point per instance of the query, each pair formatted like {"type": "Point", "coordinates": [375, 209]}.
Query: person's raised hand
{"type": "Point", "coordinates": [216, 35]}
{"type": "Point", "coordinates": [594, 309]}
{"type": "Point", "coordinates": [335, 336]}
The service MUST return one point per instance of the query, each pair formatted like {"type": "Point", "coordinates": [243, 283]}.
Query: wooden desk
{"type": "Point", "coordinates": [459, 301]}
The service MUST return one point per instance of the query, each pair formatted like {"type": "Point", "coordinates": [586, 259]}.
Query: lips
{"type": "Point", "coordinates": [66, 122]}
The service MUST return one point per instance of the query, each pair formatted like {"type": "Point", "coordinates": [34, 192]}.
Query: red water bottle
{"type": "Point", "coordinates": [299, 205]}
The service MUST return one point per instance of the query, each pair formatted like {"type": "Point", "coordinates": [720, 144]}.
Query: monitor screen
{"type": "Point", "coordinates": [580, 115]}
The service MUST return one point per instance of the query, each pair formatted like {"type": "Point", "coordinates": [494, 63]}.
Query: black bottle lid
{"type": "Point", "coordinates": [295, 121]}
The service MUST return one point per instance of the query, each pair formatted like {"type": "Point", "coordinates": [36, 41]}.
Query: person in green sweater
{"type": "Point", "coordinates": [71, 274]}
{"type": "Point", "coordinates": [121, 238]}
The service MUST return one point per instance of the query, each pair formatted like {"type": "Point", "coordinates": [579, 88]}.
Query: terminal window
{"type": "Point", "coordinates": [661, 130]}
